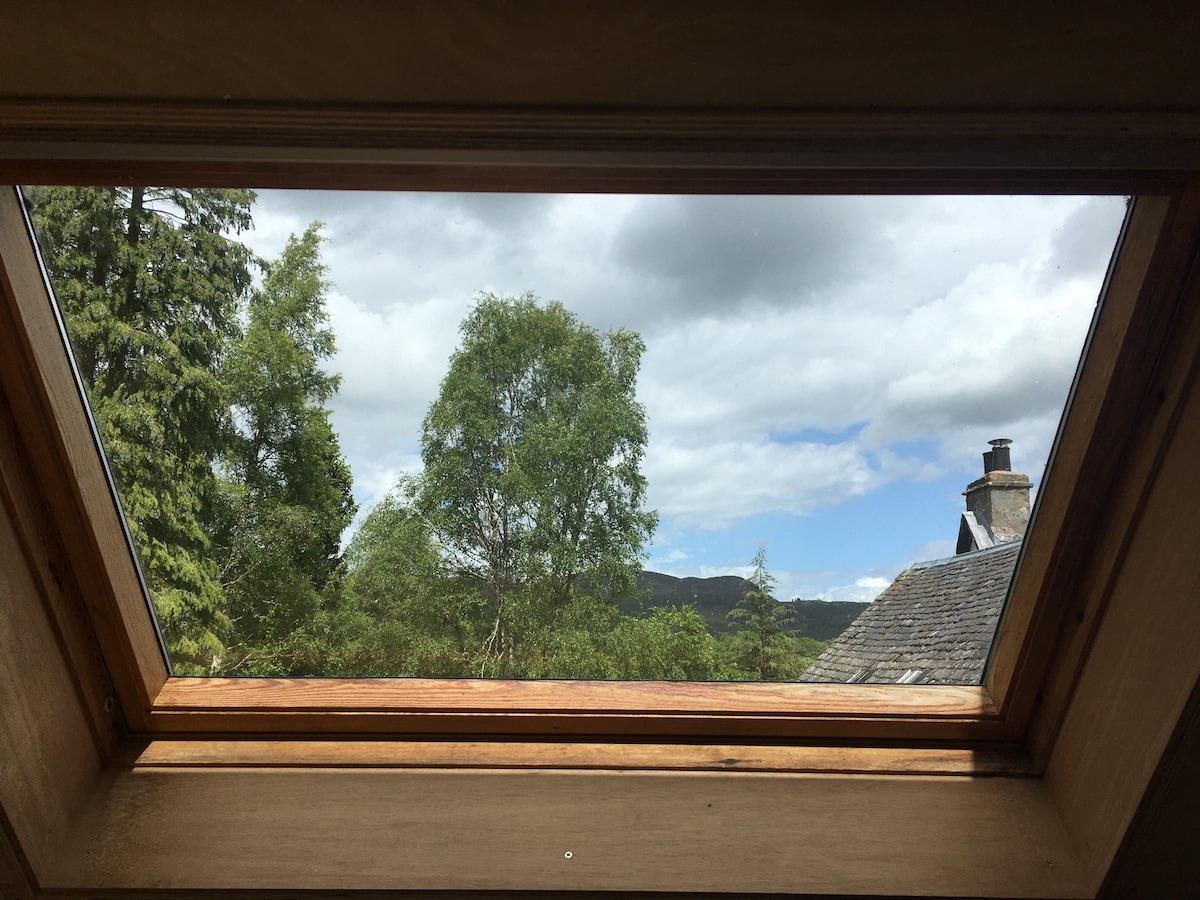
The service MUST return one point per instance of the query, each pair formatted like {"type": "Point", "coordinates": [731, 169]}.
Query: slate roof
{"type": "Point", "coordinates": [933, 625]}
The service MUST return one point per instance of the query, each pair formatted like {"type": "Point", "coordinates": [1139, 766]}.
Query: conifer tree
{"type": "Point", "coordinates": [286, 487]}
{"type": "Point", "coordinates": [760, 647]}
{"type": "Point", "coordinates": [150, 283]}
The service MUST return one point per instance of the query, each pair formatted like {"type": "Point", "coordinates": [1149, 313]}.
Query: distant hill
{"type": "Point", "coordinates": [713, 598]}
{"type": "Point", "coordinates": [823, 620]}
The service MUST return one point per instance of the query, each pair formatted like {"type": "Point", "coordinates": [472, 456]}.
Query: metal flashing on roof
{"type": "Point", "coordinates": [973, 534]}
{"type": "Point", "coordinates": [998, 546]}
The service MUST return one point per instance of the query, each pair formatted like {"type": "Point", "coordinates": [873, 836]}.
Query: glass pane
{"type": "Point", "coordinates": [576, 436]}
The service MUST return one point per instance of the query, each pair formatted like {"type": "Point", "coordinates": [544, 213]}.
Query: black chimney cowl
{"type": "Point", "coordinates": [999, 458]}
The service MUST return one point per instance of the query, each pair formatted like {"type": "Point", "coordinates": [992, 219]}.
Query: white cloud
{"type": "Point", "coordinates": [673, 557]}
{"type": "Point", "coordinates": [716, 571]}
{"type": "Point", "coordinates": [800, 351]}
{"type": "Point", "coordinates": [391, 361]}
{"type": "Point", "coordinates": [713, 485]}
{"type": "Point", "coordinates": [936, 549]}
{"type": "Point", "coordinates": [862, 590]}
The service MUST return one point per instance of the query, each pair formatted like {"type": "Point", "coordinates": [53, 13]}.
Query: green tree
{"type": "Point", "coordinates": [287, 488]}
{"type": "Point", "coordinates": [589, 638]}
{"type": "Point", "coordinates": [532, 456]}
{"type": "Point", "coordinates": [671, 644]}
{"type": "Point", "coordinates": [761, 649]}
{"type": "Point", "coordinates": [400, 610]}
{"type": "Point", "coordinates": [397, 611]}
{"type": "Point", "coordinates": [150, 284]}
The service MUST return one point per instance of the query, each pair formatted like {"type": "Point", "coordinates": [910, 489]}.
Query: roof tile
{"type": "Point", "coordinates": [938, 616]}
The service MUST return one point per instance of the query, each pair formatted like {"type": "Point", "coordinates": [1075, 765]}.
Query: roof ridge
{"type": "Point", "coordinates": [971, 554]}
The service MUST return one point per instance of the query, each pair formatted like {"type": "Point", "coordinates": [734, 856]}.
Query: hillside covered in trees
{"type": "Point", "coordinates": [515, 553]}
{"type": "Point", "coordinates": [714, 598]}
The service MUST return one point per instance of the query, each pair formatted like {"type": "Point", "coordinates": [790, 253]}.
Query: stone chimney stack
{"type": "Point", "coordinates": [997, 504]}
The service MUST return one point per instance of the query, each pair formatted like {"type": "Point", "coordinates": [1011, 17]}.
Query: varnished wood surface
{"type": "Point", "coordinates": [792, 174]}
{"type": "Point", "coordinates": [212, 828]}
{"type": "Point", "coordinates": [553, 148]}
{"type": "Point", "coordinates": [662, 174]}
{"type": "Point", "coordinates": [1134, 432]}
{"type": "Point", "coordinates": [418, 94]}
{"type": "Point", "coordinates": [480, 695]}
{"type": "Point", "coordinates": [48, 564]}
{"type": "Point", "coordinates": [541, 129]}
{"type": "Point", "coordinates": [624, 149]}
{"type": "Point", "coordinates": [267, 707]}
{"type": "Point", "coordinates": [1005, 760]}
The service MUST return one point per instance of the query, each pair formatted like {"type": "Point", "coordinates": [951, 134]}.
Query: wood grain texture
{"type": "Point", "coordinates": [48, 757]}
{"type": "Point", "coordinates": [47, 562]}
{"type": "Point", "coordinates": [382, 829]}
{"type": "Point", "coordinates": [80, 129]}
{"type": "Point", "coordinates": [331, 706]}
{"type": "Point", "coordinates": [657, 173]}
{"type": "Point", "coordinates": [1006, 760]}
{"type": "Point", "coordinates": [1142, 666]}
{"type": "Point", "coordinates": [481, 695]}
{"type": "Point", "coordinates": [212, 828]}
{"type": "Point", "coordinates": [523, 148]}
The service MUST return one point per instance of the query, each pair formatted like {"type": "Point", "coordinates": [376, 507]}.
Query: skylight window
{"type": "Point", "coordinates": [815, 380]}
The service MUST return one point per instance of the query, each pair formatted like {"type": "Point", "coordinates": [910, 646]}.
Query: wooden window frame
{"type": "Point", "coordinates": [157, 703]}
{"type": "Point", "coordinates": [1036, 771]}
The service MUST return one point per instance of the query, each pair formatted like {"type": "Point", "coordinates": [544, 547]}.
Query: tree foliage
{"type": "Point", "coordinates": [505, 558]}
{"type": "Point", "coordinates": [413, 617]}
{"type": "Point", "coordinates": [209, 398]}
{"type": "Point", "coordinates": [761, 648]}
{"type": "Point", "coordinates": [150, 287]}
{"type": "Point", "coordinates": [532, 453]}
{"type": "Point", "coordinates": [286, 488]}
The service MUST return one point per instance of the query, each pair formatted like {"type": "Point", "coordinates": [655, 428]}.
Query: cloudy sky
{"type": "Point", "coordinates": [821, 373]}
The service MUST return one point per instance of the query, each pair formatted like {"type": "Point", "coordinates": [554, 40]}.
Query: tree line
{"type": "Point", "coordinates": [505, 557]}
